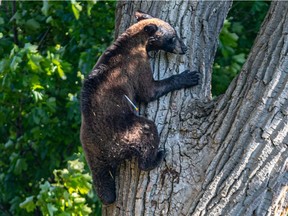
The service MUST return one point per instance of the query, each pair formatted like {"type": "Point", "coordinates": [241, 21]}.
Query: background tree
{"type": "Point", "coordinates": [46, 48]}
{"type": "Point", "coordinates": [235, 41]}
{"type": "Point", "coordinates": [226, 156]}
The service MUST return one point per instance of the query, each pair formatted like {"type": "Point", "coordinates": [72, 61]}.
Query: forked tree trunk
{"type": "Point", "coordinates": [226, 156]}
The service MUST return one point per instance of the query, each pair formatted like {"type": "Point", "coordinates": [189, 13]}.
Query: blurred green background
{"type": "Point", "coordinates": [46, 49]}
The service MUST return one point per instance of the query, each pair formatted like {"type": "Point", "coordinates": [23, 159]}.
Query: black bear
{"type": "Point", "coordinates": [111, 131]}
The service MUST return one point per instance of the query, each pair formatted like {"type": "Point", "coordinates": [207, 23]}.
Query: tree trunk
{"type": "Point", "coordinates": [226, 156]}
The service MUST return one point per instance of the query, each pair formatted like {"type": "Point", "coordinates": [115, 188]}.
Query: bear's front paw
{"type": "Point", "coordinates": [189, 78]}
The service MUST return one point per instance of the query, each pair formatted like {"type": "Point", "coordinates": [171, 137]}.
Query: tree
{"type": "Point", "coordinates": [225, 156]}
{"type": "Point", "coordinates": [46, 48]}
{"type": "Point", "coordinates": [235, 41]}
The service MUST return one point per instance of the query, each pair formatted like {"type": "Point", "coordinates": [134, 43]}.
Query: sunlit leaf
{"type": "Point", "coordinates": [49, 19]}
{"type": "Point", "coordinates": [86, 210]}
{"type": "Point", "coordinates": [51, 209]}
{"type": "Point", "coordinates": [15, 62]}
{"type": "Point", "coordinates": [59, 69]}
{"type": "Point", "coordinates": [76, 8]}
{"type": "Point", "coordinates": [90, 6]}
{"type": "Point", "coordinates": [45, 187]}
{"type": "Point", "coordinates": [28, 204]}
{"type": "Point", "coordinates": [9, 144]}
{"type": "Point", "coordinates": [61, 72]}
{"type": "Point", "coordinates": [45, 7]}
{"type": "Point", "coordinates": [31, 48]}
{"type": "Point", "coordinates": [34, 62]}
{"type": "Point", "coordinates": [37, 86]}
{"type": "Point", "coordinates": [37, 95]}
{"type": "Point", "coordinates": [79, 200]}
{"type": "Point", "coordinates": [75, 165]}
{"type": "Point", "coordinates": [240, 58]}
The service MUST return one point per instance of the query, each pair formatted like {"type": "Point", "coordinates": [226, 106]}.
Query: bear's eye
{"type": "Point", "coordinates": [172, 40]}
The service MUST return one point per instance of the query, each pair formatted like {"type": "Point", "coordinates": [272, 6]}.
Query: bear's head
{"type": "Point", "coordinates": [161, 35]}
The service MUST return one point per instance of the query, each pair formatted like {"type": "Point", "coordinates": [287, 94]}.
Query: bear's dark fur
{"type": "Point", "coordinates": [110, 130]}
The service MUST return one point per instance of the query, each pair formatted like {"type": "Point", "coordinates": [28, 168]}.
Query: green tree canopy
{"type": "Point", "coordinates": [46, 49]}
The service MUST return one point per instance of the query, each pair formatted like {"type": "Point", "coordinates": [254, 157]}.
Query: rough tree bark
{"type": "Point", "coordinates": [226, 156]}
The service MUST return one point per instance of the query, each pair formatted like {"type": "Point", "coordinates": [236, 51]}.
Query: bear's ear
{"type": "Point", "coordinates": [141, 15]}
{"type": "Point", "coordinates": [150, 29]}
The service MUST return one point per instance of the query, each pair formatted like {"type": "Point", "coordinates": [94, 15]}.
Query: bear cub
{"type": "Point", "coordinates": [111, 131]}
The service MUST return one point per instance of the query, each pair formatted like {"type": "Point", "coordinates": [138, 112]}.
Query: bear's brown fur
{"type": "Point", "coordinates": [110, 130]}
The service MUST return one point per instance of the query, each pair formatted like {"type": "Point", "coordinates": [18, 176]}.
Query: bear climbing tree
{"type": "Point", "coordinates": [225, 156]}
{"type": "Point", "coordinates": [111, 131]}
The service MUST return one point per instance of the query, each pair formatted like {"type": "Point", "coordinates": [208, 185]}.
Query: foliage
{"type": "Point", "coordinates": [236, 39]}
{"type": "Point", "coordinates": [46, 48]}
{"type": "Point", "coordinates": [68, 195]}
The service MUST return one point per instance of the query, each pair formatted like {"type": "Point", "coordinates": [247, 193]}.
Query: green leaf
{"type": "Point", "coordinates": [37, 86]}
{"type": "Point", "coordinates": [45, 187]}
{"type": "Point", "coordinates": [76, 8]}
{"type": "Point", "coordinates": [59, 69]}
{"type": "Point", "coordinates": [34, 62]}
{"type": "Point", "coordinates": [36, 104]}
{"type": "Point", "coordinates": [28, 204]}
{"type": "Point", "coordinates": [86, 210]}
{"type": "Point", "coordinates": [79, 200]}
{"type": "Point", "coordinates": [237, 27]}
{"type": "Point", "coordinates": [15, 202]}
{"type": "Point", "coordinates": [51, 209]}
{"type": "Point", "coordinates": [20, 166]}
{"type": "Point", "coordinates": [61, 72]}
{"type": "Point", "coordinates": [37, 95]}
{"type": "Point", "coordinates": [4, 63]}
{"type": "Point", "coordinates": [45, 7]}
{"type": "Point", "coordinates": [49, 19]}
{"type": "Point", "coordinates": [32, 24]}
{"type": "Point", "coordinates": [9, 143]}
{"type": "Point", "coordinates": [16, 16]}
{"type": "Point", "coordinates": [31, 48]}
{"type": "Point", "coordinates": [240, 58]}
{"type": "Point", "coordinates": [90, 6]}
{"type": "Point", "coordinates": [75, 165]}
{"type": "Point", "coordinates": [15, 62]}
{"type": "Point", "coordinates": [51, 103]}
